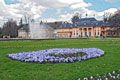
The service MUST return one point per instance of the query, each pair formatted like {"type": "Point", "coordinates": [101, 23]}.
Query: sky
{"type": "Point", "coordinates": [55, 10]}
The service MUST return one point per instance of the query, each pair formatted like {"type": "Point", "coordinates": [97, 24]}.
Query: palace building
{"type": "Point", "coordinates": [86, 27]}
{"type": "Point", "coordinates": [24, 32]}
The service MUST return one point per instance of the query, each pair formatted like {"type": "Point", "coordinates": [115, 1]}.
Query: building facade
{"type": "Point", "coordinates": [45, 31]}
{"type": "Point", "coordinates": [113, 33]}
{"type": "Point", "coordinates": [24, 32]}
{"type": "Point", "coordinates": [85, 27]}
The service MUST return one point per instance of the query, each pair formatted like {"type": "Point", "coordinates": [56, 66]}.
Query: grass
{"type": "Point", "coordinates": [16, 70]}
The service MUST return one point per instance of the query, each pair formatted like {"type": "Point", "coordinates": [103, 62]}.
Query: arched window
{"type": "Point", "coordinates": [85, 23]}
{"type": "Point", "coordinates": [96, 24]}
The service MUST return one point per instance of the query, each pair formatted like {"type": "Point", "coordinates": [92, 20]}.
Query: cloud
{"type": "Point", "coordinates": [46, 3]}
{"type": "Point", "coordinates": [59, 4]}
{"type": "Point", "coordinates": [35, 9]}
{"type": "Point", "coordinates": [56, 4]}
{"type": "Point", "coordinates": [80, 5]}
{"type": "Point", "coordinates": [19, 10]}
{"type": "Point", "coordinates": [70, 1]}
{"type": "Point", "coordinates": [65, 17]}
{"type": "Point", "coordinates": [91, 13]}
{"type": "Point", "coordinates": [111, 0]}
{"type": "Point", "coordinates": [50, 19]}
{"type": "Point", "coordinates": [13, 0]}
{"type": "Point", "coordinates": [58, 11]}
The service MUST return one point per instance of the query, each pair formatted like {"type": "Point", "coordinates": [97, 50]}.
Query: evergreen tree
{"type": "Point", "coordinates": [21, 22]}
{"type": "Point", "coordinates": [0, 30]}
{"type": "Point", "coordinates": [75, 18]}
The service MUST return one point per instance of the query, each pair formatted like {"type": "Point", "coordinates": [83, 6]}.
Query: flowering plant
{"type": "Point", "coordinates": [115, 75]}
{"type": "Point", "coordinates": [58, 55]}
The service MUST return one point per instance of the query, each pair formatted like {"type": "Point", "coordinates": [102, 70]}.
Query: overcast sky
{"type": "Point", "coordinates": [55, 10]}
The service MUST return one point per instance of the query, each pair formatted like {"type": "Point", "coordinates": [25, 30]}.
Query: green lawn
{"type": "Point", "coordinates": [15, 70]}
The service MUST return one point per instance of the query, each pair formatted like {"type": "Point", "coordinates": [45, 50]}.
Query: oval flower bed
{"type": "Point", "coordinates": [58, 55]}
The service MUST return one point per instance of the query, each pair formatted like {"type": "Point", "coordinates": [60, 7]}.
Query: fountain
{"type": "Point", "coordinates": [40, 31]}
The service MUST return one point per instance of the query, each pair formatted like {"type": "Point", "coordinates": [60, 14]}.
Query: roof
{"type": "Point", "coordinates": [24, 27]}
{"type": "Point", "coordinates": [85, 22]}
{"type": "Point", "coordinates": [101, 23]}
{"type": "Point", "coordinates": [86, 19]}
{"type": "Point", "coordinates": [67, 25]}
{"type": "Point", "coordinates": [55, 24]}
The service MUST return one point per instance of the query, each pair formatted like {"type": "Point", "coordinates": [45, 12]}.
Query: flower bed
{"type": "Point", "coordinates": [115, 75]}
{"type": "Point", "coordinates": [58, 55]}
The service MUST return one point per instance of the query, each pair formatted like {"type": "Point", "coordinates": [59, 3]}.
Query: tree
{"type": "Point", "coordinates": [21, 22]}
{"type": "Point", "coordinates": [10, 28]}
{"type": "Point", "coordinates": [115, 22]}
{"type": "Point", "coordinates": [0, 30]}
{"type": "Point", "coordinates": [115, 19]}
{"type": "Point", "coordinates": [27, 19]}
{"type": "Point", "coordinates": [41, 22]}
{"type": "Point", "coordinates": [106, 17]}
{"type": "Point", "coordinates": [75, 18]}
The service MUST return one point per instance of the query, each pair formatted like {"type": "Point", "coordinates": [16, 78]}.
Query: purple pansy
{"type": "Point", "coordinates": [43, 56]}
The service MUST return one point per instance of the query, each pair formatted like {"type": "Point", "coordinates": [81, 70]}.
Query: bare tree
{"type": "Point", "coordinates": [27, 18]}
{"type": "Point", "coordinates": [10, 28]}
{"type": "Point", "coordinates": [115, 22]}
{"type": "Point", "coordinates": [115, 19]}
{"type": "Point", "coordinates": [106, 16]}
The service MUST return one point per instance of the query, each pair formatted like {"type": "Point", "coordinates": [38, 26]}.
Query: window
{"type": "Point", "coordinates": [75, 24]}
{"type": "Point", "coordinates": [85, 33]}
{"type": "Point", "coordinates": [90, 29]}
{"type": "Point", "coordinates": [80, 29]}
{"type": "Point", "coordinates": [118, 33]}
{"type": "Point", "coordinates": [96, 24]}
{"type": "Point", "coordinates": [108, 33]}
{"type": "Point", "coordinates": [98, 33]}
{"type": "Point", "coordinates": [85, 28]}
{"type": "Point", "coordinates": [81, 34]}
{"type": "Point", "coordinates": [77, 33]}
{"type": "Point", "coordinates": [74, 33]}
{"type": "Point", "coordinates": [103, 33]}
{"type": "Point", "coordinates": [112, 33]}
{"type": "Point", "coordinates": [89, 33]}
{"type": "Point", "coordinates": [85, 24]}
{"type": "Point", "coordinates": [95, 33]}
{"type": "Point", "coordinates": [65, 26]}
{"type": "Point", "coordinates": [66, 35]}
{"type": "Point", "coordinates": [60, 35]}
